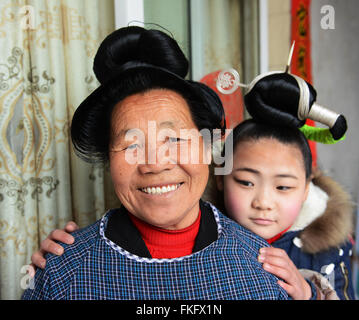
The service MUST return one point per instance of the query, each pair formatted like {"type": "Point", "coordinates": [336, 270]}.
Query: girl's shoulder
{"type": "Point", "coordinates": [326, 220]}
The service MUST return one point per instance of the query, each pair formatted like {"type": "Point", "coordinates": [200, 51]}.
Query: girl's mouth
{"type": "Point", "coordinates": [262, 222]}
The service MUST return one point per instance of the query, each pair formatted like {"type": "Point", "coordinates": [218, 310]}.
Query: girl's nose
{"type": "Point", "coordinates": [263, 201]}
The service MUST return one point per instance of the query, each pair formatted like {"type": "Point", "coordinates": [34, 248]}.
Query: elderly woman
{"type": "Point", "coordinates": [164, 242]}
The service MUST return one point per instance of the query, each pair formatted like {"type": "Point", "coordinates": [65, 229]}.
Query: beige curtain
{"type": "Point", "coordinates": [216, 35]}
{"type": "Point", "coordinates": [46, 56]}
{"type": "Point", "coordinates": [222, 35]}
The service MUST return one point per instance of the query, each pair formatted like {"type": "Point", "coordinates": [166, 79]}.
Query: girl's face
{"type": "Point", "coordinates": [267, 186]}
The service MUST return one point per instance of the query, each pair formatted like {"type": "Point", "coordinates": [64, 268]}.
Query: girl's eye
{"type": "Point", "coordinates": [245, 183]}
{"type": "Point", "coordinates": [284, 188]}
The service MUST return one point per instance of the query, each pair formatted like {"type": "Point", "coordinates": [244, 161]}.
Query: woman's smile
{"type": "Point", "coordinates": [161, 189]}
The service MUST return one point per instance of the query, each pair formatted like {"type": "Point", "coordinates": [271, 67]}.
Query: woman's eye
{"type": "Point", "coordinates": [132, 146]}
{"type": "Point", "coordinates": [245, 183]}
{"type": "Point", "coordinates": [174, 139]}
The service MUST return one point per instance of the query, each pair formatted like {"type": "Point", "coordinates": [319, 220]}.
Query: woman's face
{"type": "Point", "coordinates": [153, 163]}
{"type": "Point", "coordinates": [267, 186]}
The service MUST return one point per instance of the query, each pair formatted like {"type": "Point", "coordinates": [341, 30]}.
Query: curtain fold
{"type": "Point", "coordinates": [46, 56]}
{"type": "Point", "coordinates": [215, 30]}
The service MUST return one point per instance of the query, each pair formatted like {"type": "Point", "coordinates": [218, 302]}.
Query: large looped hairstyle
{"type": "Point", "coordinates": [134, 60]}
{"type": "Point", "coordinates": [255, 130]}
{"type": "Point", "coordinates": [273, 104]}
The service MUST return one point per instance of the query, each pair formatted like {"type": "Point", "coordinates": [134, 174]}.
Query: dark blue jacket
{"type": "Point", "coordinates": [94, 267]}
{"type": "Point", "coordinates": [319, 239]}
{"type": "Point", "coordinates": [334, 263]}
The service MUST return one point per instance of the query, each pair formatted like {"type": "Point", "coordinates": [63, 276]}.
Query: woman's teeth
{"type": "Point", "coordinates": [161, 190]}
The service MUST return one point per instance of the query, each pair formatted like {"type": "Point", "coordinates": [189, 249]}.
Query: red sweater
{"type": "Point", "coordinates": [162, 243]}
{"type": "Point", "coordinates": [276, 237]}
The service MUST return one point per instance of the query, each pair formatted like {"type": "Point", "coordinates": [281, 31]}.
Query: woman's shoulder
{"type": "Point", "coordinates": [53, 281]}
{"type": "Point", "coordinates": [246, 239]}
{"type": "Point", "coordinates": [85, 239]}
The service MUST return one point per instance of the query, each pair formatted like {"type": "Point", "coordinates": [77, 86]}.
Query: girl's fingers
{"type": "Point", "coordinates": [275, 261]}
{"type": "Point", "coordinates": [61, 236]}
{"type": "Point", "coordinates": [271, 251]}
{"type": "Point", "coordinates": [71, 226]}
{"type": "Point", "coordinates": [282, 273]}
{"type": "Point", "coordinates": [288, 288]}
{"type": "Point", "coordinates": [38, 260]}
{"type": "Point", "coordinates": [49, 246]}
{"type": "Point", "coordinates": [31, 270]}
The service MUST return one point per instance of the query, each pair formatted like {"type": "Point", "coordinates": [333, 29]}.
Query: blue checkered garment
{"type": "Point", "coordinates": [96, 268]}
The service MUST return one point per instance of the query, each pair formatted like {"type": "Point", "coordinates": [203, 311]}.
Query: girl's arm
{"type": "Point", "coordinates": [50, 246]}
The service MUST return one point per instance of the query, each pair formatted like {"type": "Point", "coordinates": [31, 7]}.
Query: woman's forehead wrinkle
{"type": "Point", "coordinates": [166, 109]}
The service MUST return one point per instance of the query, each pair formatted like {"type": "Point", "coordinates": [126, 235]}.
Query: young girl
{"type": "Point", "coordinates": [265, 193]}
{"type": "Point", "coordinates": [272, 178]}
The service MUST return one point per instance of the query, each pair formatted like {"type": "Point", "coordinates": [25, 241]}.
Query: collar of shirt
{"type": "Point", "coordinates": [163, 243]}
{"type": "Point", "coordinates": [121, 230]}
{"type": "Point", "coordinates": [276, 237]}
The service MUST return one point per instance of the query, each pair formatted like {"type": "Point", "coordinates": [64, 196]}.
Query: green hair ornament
{"type": "Point", "coordinates": [321, 135]}
{"type": "Point", "coordinates": [259, 105]}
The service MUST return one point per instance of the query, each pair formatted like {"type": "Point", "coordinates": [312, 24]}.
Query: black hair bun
{"type": "Point", "coordinates": [133, 60]}
{"type": "Point", "coordinates": [214, 116]}
{"type": "Point", "coordinates": [275, 99]}
{"type": "Point", "coordinates": [134, 46]}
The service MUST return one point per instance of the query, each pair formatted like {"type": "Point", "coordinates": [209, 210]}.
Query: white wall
{"type": "Point", "coordinates": [335, 56]}
{"type": "Point", "coordinates": [127, 11]}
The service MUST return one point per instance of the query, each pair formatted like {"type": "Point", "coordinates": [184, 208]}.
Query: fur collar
{"type": "Point", "coordinates": [326, 219]}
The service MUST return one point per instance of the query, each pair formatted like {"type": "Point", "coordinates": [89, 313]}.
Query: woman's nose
{"type": "Point", "coordinates": [156, 161]}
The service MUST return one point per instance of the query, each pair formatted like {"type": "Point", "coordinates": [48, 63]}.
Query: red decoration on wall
{"type": "Point", "coordinates": [232, 103]}
{"type": "Point", "coordinates": [301, 62]}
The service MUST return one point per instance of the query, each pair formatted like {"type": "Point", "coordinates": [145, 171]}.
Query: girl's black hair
{"type": "Point", "coordinates": [134, 60]}
{"type": "Point", "coordinates": [273, 104]}
{"type": "Point", "coordinates": [254, 130]}
{"type": "Point", "coordinates": [275, 99]}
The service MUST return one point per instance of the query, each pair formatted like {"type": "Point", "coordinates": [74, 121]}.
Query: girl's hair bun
{"type": "Point", "coordinates": [135, 46]}
{"type": "Point", "coordinates": [274, 99]}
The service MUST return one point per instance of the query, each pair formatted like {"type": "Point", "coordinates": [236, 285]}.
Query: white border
{"type": "Point", "coordinates": [197, 55]}
{"type": "Point", "coordinates": [263, 36]}
{"type": "Point", "coordinates": [127, 11]}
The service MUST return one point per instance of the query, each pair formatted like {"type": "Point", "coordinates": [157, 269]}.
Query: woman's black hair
{"type": "Point", "coordinates": [254, 130]}
{"type": "Point", "coordinates": [134, 60]}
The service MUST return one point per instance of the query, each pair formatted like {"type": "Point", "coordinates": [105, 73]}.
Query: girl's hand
{"type": "Point", "coordinates": [277, 262]}
{"type": "Point", "coordinates": [50, 246]}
